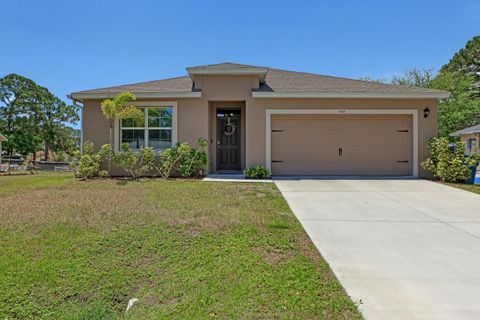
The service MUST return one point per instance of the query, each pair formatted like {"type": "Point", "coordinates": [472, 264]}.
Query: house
{"type": "Point", "coordinates": [294, 123]}
{"type": "Point", "coordinates": [471, 137]}
{"type": "Point", "coordinates": [2, 139]}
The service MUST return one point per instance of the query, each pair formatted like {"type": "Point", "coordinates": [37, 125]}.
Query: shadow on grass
{"type": "Point", "coordinates": [124, 181]}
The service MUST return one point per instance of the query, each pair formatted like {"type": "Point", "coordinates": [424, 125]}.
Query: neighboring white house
{"type": "Point", "coordinates": [471, 137]}
{"type": "Point", "coordinates": [2, 138]}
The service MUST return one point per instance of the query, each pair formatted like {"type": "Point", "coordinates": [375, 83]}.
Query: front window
{"type": "Point", "coordinates": [472, 144]}
{"type": "Point", "coordinates": [154, 130]}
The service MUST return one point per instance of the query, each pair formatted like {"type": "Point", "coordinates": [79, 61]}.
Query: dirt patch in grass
{"type": "Point", "coordinates": [90, 206]}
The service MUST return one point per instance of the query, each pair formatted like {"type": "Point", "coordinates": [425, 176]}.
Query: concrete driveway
{"type": "Point", "coordinates": [403, 249]}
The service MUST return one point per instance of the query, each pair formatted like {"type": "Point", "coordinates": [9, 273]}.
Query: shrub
{"type": "Point", "coordinates": [257, 172]}
{"type": "Point", "coordinates": [30, 165]}
{"type": "Point", "coordinates": [183, 161]}
{"type": "Point", "coordinates": [88, 165]}
{"type": "Point", "coordinates": [179, 161]}
{"type": "Point", "coordinates": [446, 164]}
{"type": "Point", "coordinates": [134, 163]}
{"type": "Point", "coordinates": [60, 157]}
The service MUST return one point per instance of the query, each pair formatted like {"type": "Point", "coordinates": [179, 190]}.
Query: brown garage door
{"type": "Point", "coordinates": [342, 145]}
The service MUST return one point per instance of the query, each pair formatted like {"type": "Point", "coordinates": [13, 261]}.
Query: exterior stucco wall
{"type": "Point", "coordinates": [227, 88]}
{"type": "Point", "coordinates": [95, 126]}
{"type": "Point", "coordinates": [195, 119]}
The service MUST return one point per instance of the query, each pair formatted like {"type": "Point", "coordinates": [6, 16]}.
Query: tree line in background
{"type": "Point", "coordinates": [33, 119]}
{"type": "Point", "coordinates": [460, 76]}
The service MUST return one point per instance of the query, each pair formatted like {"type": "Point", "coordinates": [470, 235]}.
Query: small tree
{"type": "Point", "coordinates": [446, 164]}
{"type": "Point", "coordinates": [119, 108]}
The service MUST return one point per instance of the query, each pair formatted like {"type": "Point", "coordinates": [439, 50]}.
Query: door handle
{"type": "Point", "coordinates": [340, 152]}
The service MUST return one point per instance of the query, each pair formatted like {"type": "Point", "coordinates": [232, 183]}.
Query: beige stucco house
{"type": "Point", "coordinates": [294, 123]}
{"type": "Point", "coordinates": [471, 137]}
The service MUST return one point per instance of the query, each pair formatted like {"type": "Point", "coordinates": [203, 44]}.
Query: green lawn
{"type": "Point", "coordinates": [24, 181]}
{"type": "Point", "coordinates": [467, 187]}
{"type": "Point", "coordinates": [186, 249]}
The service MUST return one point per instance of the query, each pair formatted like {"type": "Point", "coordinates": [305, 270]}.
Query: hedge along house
{"type": "Point", "coordinates": [294, 123]}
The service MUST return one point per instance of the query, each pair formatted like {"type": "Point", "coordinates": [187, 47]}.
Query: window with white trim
{"type": "Point", "coordinates": [154, 130]}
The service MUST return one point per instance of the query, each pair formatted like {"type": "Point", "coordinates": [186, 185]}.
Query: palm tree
{"type": "Point", "coordinates": [119, 108]}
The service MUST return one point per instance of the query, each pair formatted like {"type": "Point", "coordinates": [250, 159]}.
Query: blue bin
{"type": "Point", "coordinates": [473, 179]}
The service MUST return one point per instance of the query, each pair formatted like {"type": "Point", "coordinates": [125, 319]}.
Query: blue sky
{"type": "Point", "coordinates": [74, 45]}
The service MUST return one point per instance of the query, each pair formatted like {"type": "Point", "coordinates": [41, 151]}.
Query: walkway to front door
{"type": "Point", "coordinates": [405, 249]}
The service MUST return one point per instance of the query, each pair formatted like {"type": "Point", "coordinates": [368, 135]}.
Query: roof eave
{"type": "Point", "coordinates": [80, 96]}
{"type": "Point", "coordinates": [351, 94]}
{"type": "Point", "coordinates": [228, 71]}
{"type": "Point", "coordinates": [462, 133]}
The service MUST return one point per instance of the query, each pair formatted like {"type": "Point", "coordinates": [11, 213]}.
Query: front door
{"type": "Point", "coordinates": [228, 140]}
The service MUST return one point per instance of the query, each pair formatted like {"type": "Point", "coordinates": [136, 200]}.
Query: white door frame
{"type": "Point", "coordinates": [270, 112]}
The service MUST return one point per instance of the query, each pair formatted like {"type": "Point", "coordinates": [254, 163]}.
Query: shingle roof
{"type": "Point", "coordinates": [276, 81]}
{"type": "Point", "coordinates": [469, 130]}
{"type": "Point", "coordinates": [180, 84]}
{"type": "Point", "coordinates": [284, 81]}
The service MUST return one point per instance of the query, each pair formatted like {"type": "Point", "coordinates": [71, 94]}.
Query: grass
{"type": "Point", "coordinates": [25, 181]}
{"type": "Point", "coordinates": [467, 187]}
{"type": "Point", "coordinates": [185, 249]}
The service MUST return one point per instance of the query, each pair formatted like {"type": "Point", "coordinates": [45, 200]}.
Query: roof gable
{"type": "Point", "coordinates": [225, 65]}
{"type": "Point", "coordinates": [228, 68]}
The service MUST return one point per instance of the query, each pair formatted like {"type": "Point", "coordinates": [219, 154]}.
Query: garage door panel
{"type": "Point", "coordinates": [335, 169]}
{"type": "Point", "coordinates": [327, 150]}
{"type": "Point", "coordinates": [341, 144]}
